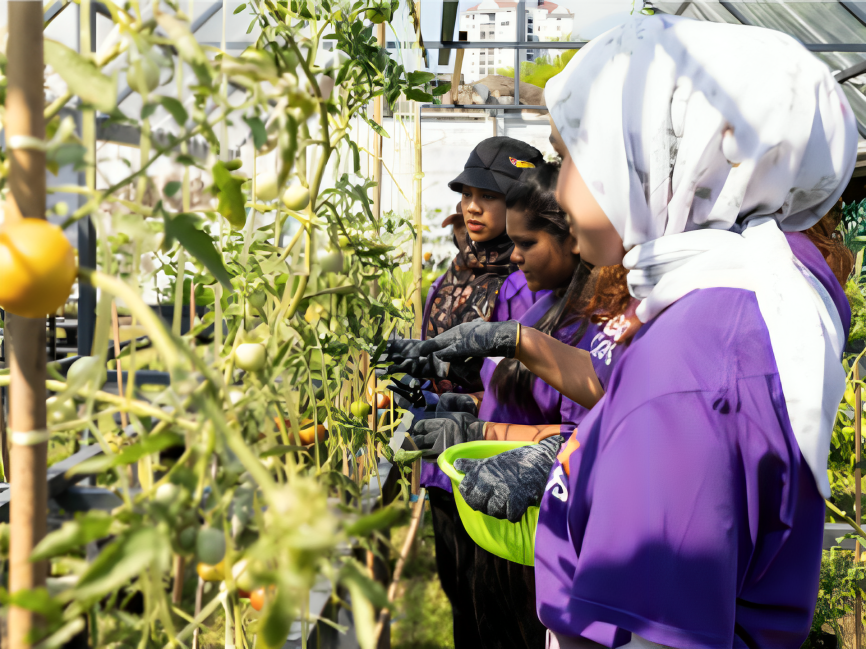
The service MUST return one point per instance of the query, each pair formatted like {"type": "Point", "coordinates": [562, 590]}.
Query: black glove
{"type": "Point", "coordinates": [456, 402]}
{"type": "Point", "coordinates": [407, 394]}
{"type": "Point", "coordinates": [432, 358]}
{"type": "Point", "coordinates": [506, 485]}
{"type": "Point", "coordinates": [433, 436]}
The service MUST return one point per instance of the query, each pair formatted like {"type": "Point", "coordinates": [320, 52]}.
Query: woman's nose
{"type": "Point", "coordinates": [472, 207]}
{"type": "Point", "coordinates": [516, 257]}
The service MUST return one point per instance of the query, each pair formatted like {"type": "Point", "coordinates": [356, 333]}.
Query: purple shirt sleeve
{"type": "Point", "coordinates": [811, 258]}
{"type": "Point", "coordinates": [688, 515]}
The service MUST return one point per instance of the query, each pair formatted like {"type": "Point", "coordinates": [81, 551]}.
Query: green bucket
{"type": "Point", "coordinates": [512, 541]}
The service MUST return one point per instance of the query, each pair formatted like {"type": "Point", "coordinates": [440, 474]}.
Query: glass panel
{"type": "Point", "coordinates": [809, 22]}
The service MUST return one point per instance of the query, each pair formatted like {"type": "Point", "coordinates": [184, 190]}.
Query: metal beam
{"type": "Point", "coordinates": [682, 8]}
{"type": "Point", "coordinates": [855, 9]}
{"type": "Point", "coordinates": [849, 73]}
{"type": "Point", "coordinates": [197, 24]}
{"type": "Point", "coordinates": [527, 45]}
{"type": "Point", "coordinates": [506, 107]}
{"type": "Point", "coordinates": [736, 13]}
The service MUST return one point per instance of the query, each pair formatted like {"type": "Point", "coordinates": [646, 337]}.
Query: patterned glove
{"type": "Point", "coordinates": [506, 485]}
{"type": "Point", "coordinates": [456, 402]}
{"type": "Point", "coordinates": [432, 358]}
{"type": "Point", "coordinates": [433, 436]}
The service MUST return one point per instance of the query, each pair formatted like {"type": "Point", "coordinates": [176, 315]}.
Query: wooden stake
{"type": "Point", "coordinates": [417, 253]}
{"type": "Point", "coordinates": [115, 327]}
{"type": "Point", "coordinates": [26, 337]}
{"type": "Point", "coordinates": [377, 140]}
{"type": "Point", "coordinates": [177, 590]}
{"type": "Point", "coordinates": [401, 561]}
{"type": "Point", "coordinates": [858, 476]}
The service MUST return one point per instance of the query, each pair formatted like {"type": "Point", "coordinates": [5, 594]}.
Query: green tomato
{"type": "Point", "coordinates": [187, 538]}
{"type": "Point", "coordinates": [330, 260]}
{"type": "Point", "coordinates": [88, 370]}
{"type": "Point", "coordinates": [249, 357]}
{"type": "Point", "coordinates": [361, 409]}
{"type": "Point", "coordinates": [266, 186]}
{"type": "Point", "coordinates": [143, 75]}
{"type": "Point", "coordinates": [210, 545]}
{"type": "Point", "coordinates": [167, 494]}
{"type": "Point", "coordinates": [296, 197]}
{"type": "Point", "coordinates": [60, 412]}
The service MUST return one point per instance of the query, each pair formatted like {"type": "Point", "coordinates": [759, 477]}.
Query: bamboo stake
{"type": "Point", "coordinates": [401, 562]}
{"type": "Point", "coordinates": [417, 253]}
{"type": "Point", "coordinates": [115, 327]}
{"type": "Point", "coordinates": [858, 431]}
{"type": "Point", "coordinates": [377, 141]}
{"type": "Point", "coordinates": [27, 337]}
{"type": "Point", "coordinates": [177, 589]}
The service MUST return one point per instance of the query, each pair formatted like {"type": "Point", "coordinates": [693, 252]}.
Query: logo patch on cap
{"type": "Point", "coordinates": [521, 164]}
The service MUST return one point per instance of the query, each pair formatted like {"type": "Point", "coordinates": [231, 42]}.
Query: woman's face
{"type": "Point", "coordinates": [600, 244]}
{"type": "Point", "coordinates": [547, 263]}
{"type": "Point", "coordinates": [483, 212]}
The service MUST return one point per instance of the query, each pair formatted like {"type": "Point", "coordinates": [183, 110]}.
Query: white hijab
{"type": "Point", "coordinates": [702, 142]}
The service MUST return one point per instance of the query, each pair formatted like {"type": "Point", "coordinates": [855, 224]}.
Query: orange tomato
{"type": "Point", "coordinates": [258, 596]}
{"type": "Point", "coordinates": [211, 573]}
{"type": "Point", "coordinates": [308, 432]}
{"type": "Point", "coordinates": [37, 265]}
{"type": "Point", "coordinates": [382, 400]}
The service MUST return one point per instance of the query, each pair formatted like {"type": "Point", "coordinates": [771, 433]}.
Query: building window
{"type": "Point", "coordinates": [491, 16]}
{"type": "Point", "coordinates": [483, 36]}
{"type": "Point", "coordinates": [559, 28]}
{"type": "Point", "coordinates": [504, 23]}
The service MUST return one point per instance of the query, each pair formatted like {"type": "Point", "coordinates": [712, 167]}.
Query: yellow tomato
{"type": "Point", "coordinates": [37, 265]}
{"type": "Point", "coordinates": [211, 573]}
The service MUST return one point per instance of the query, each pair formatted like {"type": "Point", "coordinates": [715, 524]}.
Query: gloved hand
{"type": "Point", "coordinates": [506, 485]}
{"type": "Point", "coordinates": [433, 436]}
{"type": "Point", "coordinates": [456, 402]}
{"type": "Point", "coordinates": [432, 358]}
{"type": "Point", "coordinates": [407, 395]}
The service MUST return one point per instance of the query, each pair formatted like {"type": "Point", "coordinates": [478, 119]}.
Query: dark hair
{"type": "Point", "coordinates": [829, 241]}
{"type": "Point", "coordinates": [536, 195]}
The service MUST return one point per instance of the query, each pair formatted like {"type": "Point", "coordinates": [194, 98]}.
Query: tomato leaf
{"type": "Point", "coordinates": [277, 619]}
{"type": "Point", "coordinates": [418, 95]}
{"type": "Point", "coordinates": [92, 526]}
{"type": "Point", "coordinates": [441, 89]}
{"type": "Point", "coordinates": [260, 135]}
{"type": "Point", "coordinates": [231, 197]}
{"type": "Point", "coordinates": [171, 188]}
{"type": "Point", "coordinates": [122, 561]}
{"type": "Point", "coordinates": [419, 78]}
{"type": "Point", "coordinates": [175, 109]}
{"type": "Point", "coordinates": [186, 229]}
{"type": "Point", "coordinates": [82, 76]}
{"type": "Point", "coordinates": [239, 9]}
{"type": "Point", "coordinates": [381, 519]}
{"type": "Point", "coordinates": [187, 47]}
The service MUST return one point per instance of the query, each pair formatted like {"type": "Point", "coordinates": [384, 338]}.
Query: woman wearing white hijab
{"type": "Point", "coordinates": [687, 510]}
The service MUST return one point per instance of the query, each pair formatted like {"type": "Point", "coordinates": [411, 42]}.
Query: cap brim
{"type": "Point", "coordinates": [482, 179]}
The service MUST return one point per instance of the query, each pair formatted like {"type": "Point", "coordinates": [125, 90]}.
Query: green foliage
{"type": "Point", "coordinates": [853, 226]}
{"type": "Point", "coordinates": [841, 579]}
{"type": "Point", "coordinates": [854, 293]}
{"type": "Point", "coordinates": [539, 71]}
{"type": "Point", "coordinates": [290, 511]}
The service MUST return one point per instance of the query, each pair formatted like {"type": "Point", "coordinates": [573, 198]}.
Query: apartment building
{"type": "Point", "coordinates": [496, 20]}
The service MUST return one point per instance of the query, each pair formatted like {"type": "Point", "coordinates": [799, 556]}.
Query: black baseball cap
{"type": "Point", "coordinates": [496, 164]}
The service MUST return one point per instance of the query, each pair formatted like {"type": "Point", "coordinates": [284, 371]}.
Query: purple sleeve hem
{"type": "Point", "coordinates": [613, 627]}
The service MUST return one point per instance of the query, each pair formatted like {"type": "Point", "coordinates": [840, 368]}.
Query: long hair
{"type": "Point", "coordinates": [535, 194]}
{"type": "Point", "coordinates": [829, 241]}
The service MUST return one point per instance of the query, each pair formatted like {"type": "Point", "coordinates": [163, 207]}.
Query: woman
{"type": "Point", "coordinates": [523, 408]}
{"type": "Point", "coordinates": [480, 284]}
{"type": "Point", "coordinates": [691, 513]}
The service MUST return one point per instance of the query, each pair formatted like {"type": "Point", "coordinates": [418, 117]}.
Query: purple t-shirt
{"type": "Point", "coordinates": [513, 301]}
{"type": "Point", "coordinates": [688, 515]}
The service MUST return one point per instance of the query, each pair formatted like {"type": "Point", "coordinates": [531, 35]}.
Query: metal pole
{"type": "Point", "coordinates": [28, 509]}
{"type": "Point", "coordinates": [521, 36]}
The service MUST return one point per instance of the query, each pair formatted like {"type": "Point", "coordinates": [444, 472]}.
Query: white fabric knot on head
{"type": "Point", "coordinates": [688, 133]}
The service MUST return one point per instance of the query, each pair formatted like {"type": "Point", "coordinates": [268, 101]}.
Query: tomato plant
{"type": "Point", "coordinates": [301, 282]}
